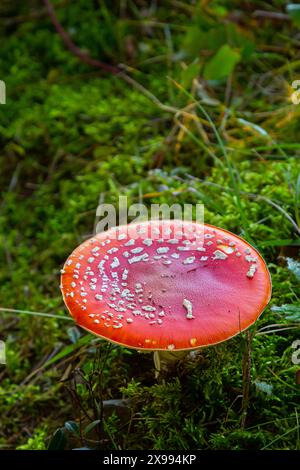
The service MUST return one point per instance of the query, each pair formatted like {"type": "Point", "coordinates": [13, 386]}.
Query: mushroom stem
{"type": "Point", "coordinates": [164, 359]}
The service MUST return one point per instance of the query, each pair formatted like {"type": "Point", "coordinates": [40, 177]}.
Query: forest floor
{"type": "Point", "coordinates": [209, 118]}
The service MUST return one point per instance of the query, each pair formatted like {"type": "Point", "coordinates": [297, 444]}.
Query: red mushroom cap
{"type": "Point", "coordinates": [166, 285]}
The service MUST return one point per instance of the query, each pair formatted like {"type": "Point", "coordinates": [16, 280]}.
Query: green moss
{"type": "Point", "coordinates": [36, 442]}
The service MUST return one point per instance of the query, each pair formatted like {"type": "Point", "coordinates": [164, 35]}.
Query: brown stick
{"type": "Point", "coordinates": [271, 15]}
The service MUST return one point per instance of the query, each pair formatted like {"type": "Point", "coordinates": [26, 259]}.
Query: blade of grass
{"type": "Point", "coordinates": [69, 349]}
{"type": "Point", "coordinates": [232, 176]}
{"type": "Point", "coordinates": [264, 133]}
{"type": "Point", "coordinates": [201, 144]}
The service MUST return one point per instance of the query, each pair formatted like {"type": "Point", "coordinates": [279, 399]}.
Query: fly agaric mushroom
{"type": "Point", "coordinates": [165, 286]}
